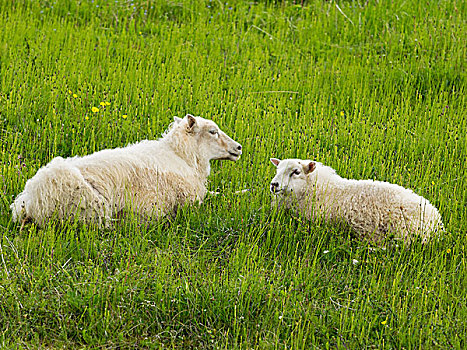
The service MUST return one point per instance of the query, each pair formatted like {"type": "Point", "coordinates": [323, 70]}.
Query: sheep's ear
{"type": "Point", "coordinates": [309, 167]}
{"type": "Point", "coordinates": [191, 121]}
{"type": "Point", "coordinates": [177, 120]}
{"type": "Point", "coordinates": [275, 161]}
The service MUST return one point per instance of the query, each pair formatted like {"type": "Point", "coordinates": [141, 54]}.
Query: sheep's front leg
{"type": "Point", "coordinates": [23, 222]}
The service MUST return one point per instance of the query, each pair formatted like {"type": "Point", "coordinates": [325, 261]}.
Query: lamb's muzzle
{"type": "Point", "coordinates": [275, 187]}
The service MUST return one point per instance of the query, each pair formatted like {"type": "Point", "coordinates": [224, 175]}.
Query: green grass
{"type": "Point", "coordinates": [376, 93]}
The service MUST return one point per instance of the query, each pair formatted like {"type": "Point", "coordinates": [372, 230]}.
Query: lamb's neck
{"type": "Point", "coordinates": [339, 187]}
{"type": "Point", "coordinates": [328, 176]}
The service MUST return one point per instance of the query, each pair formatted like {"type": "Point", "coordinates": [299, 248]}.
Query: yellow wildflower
{"type": "Point", "coordinates": [448, 250]}
{"type": "Point", "coordinates": [86, 117]}
{"type": "Point", "coordinates": [102, 104]}
{"type": "Point", "coordinates": [95, 109]}
{"type": "Point", "coordinates": [107, 103]}
{"type": "Point", "coordinates": [124, 116]}
{"type": "Point", "coordinates": [69, 91]}
{"type": "Point", "coordinates": [384, 322]}
{"type": "Point", "coordinates": [342, 113]}
{"type": "Point", "coordinates": [75, 96]}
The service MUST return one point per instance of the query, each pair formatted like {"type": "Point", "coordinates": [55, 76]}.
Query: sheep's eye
{"type": "Point", "coordinates": [295, 172]}
{"type": "Point", "coordinates": [213, 132]}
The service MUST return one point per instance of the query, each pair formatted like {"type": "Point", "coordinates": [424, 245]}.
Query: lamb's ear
{"type": "Point", "coordinates": [275, 161]}
{"type": "Point", "coordinates": [177, 120]}
{"type": "Point", "coordinates": [309, 166]}
{"type": "Point", "coordinates": [191, 121]}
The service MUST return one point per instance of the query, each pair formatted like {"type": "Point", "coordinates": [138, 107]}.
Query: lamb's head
{"type": "Point", "coordinates": [291, 176]}
{"type": "Point", "coordinates": [211, 141]}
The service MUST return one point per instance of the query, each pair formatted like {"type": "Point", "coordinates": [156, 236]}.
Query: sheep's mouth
{"type": "Point", "coordinates": [231, 156]}
{"type": "Point", "coordinates": [234, 156]}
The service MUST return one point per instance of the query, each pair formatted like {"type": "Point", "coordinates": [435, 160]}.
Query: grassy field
{"type": "Point", "coordinates": [375, 89]}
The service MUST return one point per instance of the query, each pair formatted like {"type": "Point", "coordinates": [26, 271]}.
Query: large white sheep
{"type": "Point", "coordinates": [152, 178]}
{"type": "Point", "coordinates": [374, 209]}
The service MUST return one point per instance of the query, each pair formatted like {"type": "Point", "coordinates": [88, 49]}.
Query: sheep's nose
{"type": "Point", "coordinates": [239, 147]}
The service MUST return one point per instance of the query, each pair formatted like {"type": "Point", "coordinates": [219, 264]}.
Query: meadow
{"type": "Point", "coordinates": [375, 89]}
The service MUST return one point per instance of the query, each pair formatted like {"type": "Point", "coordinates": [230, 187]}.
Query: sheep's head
{"type": "Point", "coordinates": [291, 176]}
{"type": "Point", "coordinates": [213, 143]}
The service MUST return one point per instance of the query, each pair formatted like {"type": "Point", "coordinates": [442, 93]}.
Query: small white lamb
{"type": "Point", "coordinates": [152, 178]}
{"type": "Point", "coordinates": [373, 209]}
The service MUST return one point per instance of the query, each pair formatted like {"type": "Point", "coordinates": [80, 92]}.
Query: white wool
{"type": "Point", "coordinates": [374, 209]}
{"type": "Point", "coordinates": [152, 178]}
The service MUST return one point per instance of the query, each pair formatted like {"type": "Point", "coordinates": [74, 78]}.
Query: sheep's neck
{"type": "Point", "coordinates": [193, 159]}
{"type": "Point", "coordinates": [203, 167]}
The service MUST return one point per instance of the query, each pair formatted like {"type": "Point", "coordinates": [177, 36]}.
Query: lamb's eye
{"type": "Point", "coordinates": [213, 132]}
{"type": "Point", "coordinates": [295, 172]}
